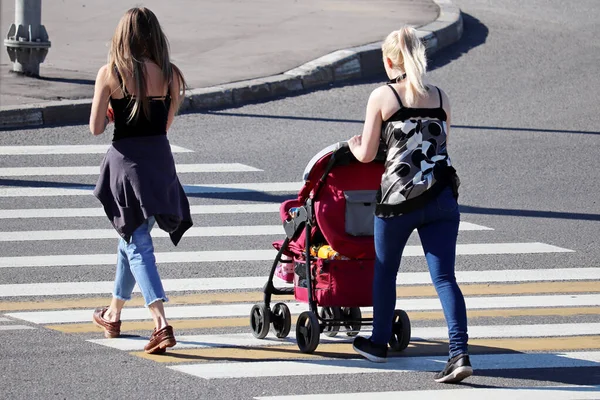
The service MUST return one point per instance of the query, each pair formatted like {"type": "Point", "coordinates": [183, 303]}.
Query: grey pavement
{"type": "Point", "coordinates": [525, 146]}
{"type": "Point", "coordinates": [218, 43]}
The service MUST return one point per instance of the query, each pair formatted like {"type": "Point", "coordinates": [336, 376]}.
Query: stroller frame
{"type": "Point", "coordinates": [311, 323]}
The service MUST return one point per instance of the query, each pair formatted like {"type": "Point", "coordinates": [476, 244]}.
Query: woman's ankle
{"type": "Point", "coordinates": [112, 315]}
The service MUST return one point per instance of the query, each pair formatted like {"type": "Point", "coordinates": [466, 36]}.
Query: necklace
{"type": "Point", "coordinates": [397, 79]}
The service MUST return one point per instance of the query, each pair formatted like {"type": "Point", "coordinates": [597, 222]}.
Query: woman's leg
{"type": "Point", "coordinates": [391, 235]}
{"type": "Point", "coordinates": [438, 238]}
{"type": "Point", "coordinates": [142, 262]}
{"type": "Point", "coordinates": [124, 284]}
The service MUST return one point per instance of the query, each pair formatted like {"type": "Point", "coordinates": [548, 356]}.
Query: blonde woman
{"type": "Point", "coordinates": [419, 190]}
{"type": "Point", "coordinates": [140, 91]}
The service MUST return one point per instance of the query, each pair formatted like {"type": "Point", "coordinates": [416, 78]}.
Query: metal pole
{"type": "Point", "coordinates": [27, 41]}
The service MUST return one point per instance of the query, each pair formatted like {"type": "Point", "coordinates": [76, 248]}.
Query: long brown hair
{"type": "Point", "coordinates": [139, 38]}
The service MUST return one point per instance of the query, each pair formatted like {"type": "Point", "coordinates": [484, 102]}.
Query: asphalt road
{"type": "Point", "coordinates": [523, 87]}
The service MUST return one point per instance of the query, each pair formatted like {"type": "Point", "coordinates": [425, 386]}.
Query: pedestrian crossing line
{"type": "Point", "coordinates": [260, 255]}
{"type": "Point", "coordinates": [242, 309]}
{"type": "Point", "coordinates": [216, 370]}
{"type": "Point", "coordinates": [209, 231]}
{"type": "Point", "coordinates": [247, 340]}
{"type": "Point", "coordinates": [332, 351]}
{"type": "Point", "coordinates": [81, 234]}
{"type": "Point", "coordinates": [520, 393]}
{"type": "Point", "coordinates": [99, 212]}
{"type": "Point", "coordinates": [404, 279]}
{"type": "Point", "coordinates": [87, 190]}
{"type": "Point", "coordinates": [95, 170]}
{"type": "Point", "coordinates": [15, 327]}
{"type": "Point", "coordinates": [242, 322]}
{"type": "Point", "coordinates": [67, 149]}
{"type": "Point", "coordinates": [2, 319]}
{"type": "Point", "coordinates": [257, 296]}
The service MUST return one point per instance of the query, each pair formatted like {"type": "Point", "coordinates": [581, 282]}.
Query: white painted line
{"type": "Point", "coordinates": [165, 258]}
{"type": "Point", "coordinates": [467, 226]}
{"type": "Point", "coordinates": [15, 327]}
{"type": "Point", "coordinates": [86, 190]}
{"type": "Point", "coordinates": [66, 149]}
{"type": "Point", "coordinates": [257, 255]}
{"type": "Point", "coordinates": [257, 282]}
{"type": "Point", "coordinates": [243, 309]}
{"type": "Point", "coordinates": [430, 333]}
{"type": "Point", "coordinates": [519, 393]}
{"type": "Point", "coordinates": [79, 234]}
{"type": "Point", "coordinates": [394, 364]}
{"type": "Point", "coordinates": [2, 319]}
{"type": "Point", "coordinates": [95, 170]}
{"type": "Point", "coordinates": [99, 212]}
{"type": "Point", "coordinates": [106, 287]}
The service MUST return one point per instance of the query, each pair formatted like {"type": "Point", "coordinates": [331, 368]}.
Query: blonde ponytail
{"type": "Point", "coordinates": [407, 53]}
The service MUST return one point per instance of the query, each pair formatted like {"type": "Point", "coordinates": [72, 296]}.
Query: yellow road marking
{"type": "Point", "coordinates": [212, 323]}
{"type": "Point", "coordinates": [255, 296]}
{"type": "Point", "coordinates": [344, 350]}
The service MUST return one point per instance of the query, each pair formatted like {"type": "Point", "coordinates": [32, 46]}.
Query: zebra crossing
{"type": "Point", "coordinates": [211, 311]}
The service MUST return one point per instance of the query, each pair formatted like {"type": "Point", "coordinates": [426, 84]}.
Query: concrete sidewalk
{"type": "Point", "coordinates": [215, 44]}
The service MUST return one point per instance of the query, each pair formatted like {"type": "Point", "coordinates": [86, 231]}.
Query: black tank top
{"type": "Point", "coordinates": [142, 125]}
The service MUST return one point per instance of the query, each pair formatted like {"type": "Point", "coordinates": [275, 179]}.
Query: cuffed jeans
{"type": "Point", "coordinates": [136, 263]}
{"type": "Point", "coordinates": [437, 224]}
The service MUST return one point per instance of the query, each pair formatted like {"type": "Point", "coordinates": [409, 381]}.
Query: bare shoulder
{"type": "Point", "coordinates": [379, 94]}
{"type": "Point", "coordinates": [445, 98]}
{"type": "Point", "coordinates": [103, 73]}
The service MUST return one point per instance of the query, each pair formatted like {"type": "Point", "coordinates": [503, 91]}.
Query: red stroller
{"type": "Point", "coordinates": [334, 207]}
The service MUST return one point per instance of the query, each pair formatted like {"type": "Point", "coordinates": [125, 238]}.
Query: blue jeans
{"type": "Point", "coordinates": [136, 263]}
{"type": "Point", "coordinates": [437, 223]}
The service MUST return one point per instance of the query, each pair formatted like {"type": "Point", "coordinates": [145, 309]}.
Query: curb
{"type": "Point", "coordinates": [340, 66]}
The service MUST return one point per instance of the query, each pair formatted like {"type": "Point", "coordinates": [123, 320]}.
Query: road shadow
{"type": "Point", "coordinates": [475, 34]}
{"type": "Point", "coordinates": [265, 196]}
{"type": "Point", "coordinates": [359, 121]}
{"type": "Point", "coordinates": [421, 356]}
{"type": "Point", "coordinates": [191, 191]}
{"type": "Point", "coordinates": [528, 213]}
{"type": "Point", "coordinates": [75, 81]}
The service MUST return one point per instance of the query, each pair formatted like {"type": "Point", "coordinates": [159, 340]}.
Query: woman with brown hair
{"type": "Point", "coordinates": [140, 90]}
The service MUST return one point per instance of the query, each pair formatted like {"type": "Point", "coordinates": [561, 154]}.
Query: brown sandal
{"type": "Point", "coordinates": [111, 329]}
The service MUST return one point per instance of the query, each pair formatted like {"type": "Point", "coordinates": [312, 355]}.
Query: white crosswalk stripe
{"type": "Point", "coordinates": [257, 282]}
{"type": "Point", "coordinates": [258, 255]}
{"type": "Point", "coordinates": [240, 310]}
{"type": "Point", "coordinates": [202, 289]}
{"type": "Point", "coordinates": [397, 365]}
{"type": "Point", "coordinates": [95, 170]}
{"type": "Point", "coordinates": [66, 149]}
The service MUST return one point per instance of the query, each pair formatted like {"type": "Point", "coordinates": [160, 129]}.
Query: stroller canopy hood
{"type": "Point", "coordinates": [323, 154]}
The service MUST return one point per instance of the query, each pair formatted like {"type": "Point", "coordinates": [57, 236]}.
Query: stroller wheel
{"type": "Point", "coordinates": [352, 314]}
{"type": "Point", "coordinates": [400, 331]}
{"type": "Point", "coordinates": [282, 320]}
{"type": "Point", "coordinates": [260, 320]}
{"type": "Point", "coordinates": [329, 313]}
{"type": "Point", "coordinates": [307, 332]}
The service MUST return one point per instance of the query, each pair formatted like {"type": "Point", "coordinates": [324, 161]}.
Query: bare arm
{"type": "Point", "coordinates": [448, 110]}
{"type": "Point", "coordinates": [98, 117]}
{"type": "Point", "coordinates": [365, 146]}
{"type": "Point", "coordinates": [177, 95]}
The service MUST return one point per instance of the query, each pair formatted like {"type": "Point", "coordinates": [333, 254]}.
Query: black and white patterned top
{"type": "Point", "coordinates": [417, 163]}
